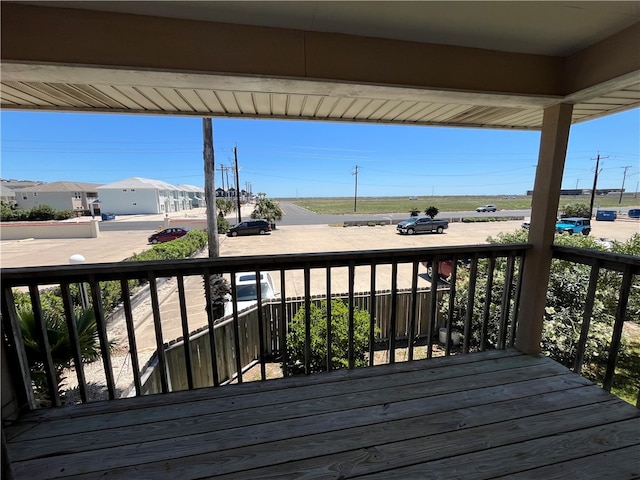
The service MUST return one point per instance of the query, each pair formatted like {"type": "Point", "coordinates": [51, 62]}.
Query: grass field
{"type": "Point", "coordinates": [367, 205]}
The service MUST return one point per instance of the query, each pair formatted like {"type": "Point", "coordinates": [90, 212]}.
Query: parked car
{"type": "Point", "coordinates": [487, 208]}
{"type": "Point", "coordinates": [250, 227]}
{"type": "Point", "coordinates": [421, 225]}
{"type": "Point", "coordinates": [445, 268]}
{"type": "Point", "coordinates": [168, 234]}
{"type": "Point", "coordinates": [573, 225]}
{"type": "Point", "coordinates": [526, 225]}
{"type": "Point", "coordinates": [246, 292]}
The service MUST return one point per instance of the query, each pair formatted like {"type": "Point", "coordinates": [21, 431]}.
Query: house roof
{"type": "Point", "coordinates": [6, 191]}
{"type": "Point", "coordinates": [190, 188]}
{"type": "Point", "coordinates": [469, 63]}
{"type": "Point", "coordinates": [61, 187]}
{"type": "Point", "coordinates": [140, 183]}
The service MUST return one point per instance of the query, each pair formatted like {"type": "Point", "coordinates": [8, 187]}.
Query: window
{"type": "Point", "coordinates": [35, 194]}
{"type": "Point", "coordinates": [124, 189]}
{"type": "Point", "coordinates": [24, 196]}
{"type": "Point", "coordinates": [134, 203]}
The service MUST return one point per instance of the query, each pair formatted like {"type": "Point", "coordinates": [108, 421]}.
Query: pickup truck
{"type": "Point", "coordinates": [421, 225]}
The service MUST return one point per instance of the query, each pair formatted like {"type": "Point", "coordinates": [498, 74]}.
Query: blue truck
{"type": "Point", "coordinates": [573, 225]}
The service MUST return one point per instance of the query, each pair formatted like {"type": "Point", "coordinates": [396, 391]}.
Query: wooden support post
{"type": "Point", "coordinates": [544, 208]}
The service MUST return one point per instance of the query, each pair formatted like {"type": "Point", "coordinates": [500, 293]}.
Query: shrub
{"type": "Point", "coordinates": [42, 212]}
{"type": "Point", "coordinates": [339, 337]}
{"type": "Point", "coordinates": [223, 225]}
{"type": "Point", "coordinates": [414, 212]}
{"type": "Point", "coordinates": [63, 215]}
{"type": "Point", "coordinates": [580, 210]}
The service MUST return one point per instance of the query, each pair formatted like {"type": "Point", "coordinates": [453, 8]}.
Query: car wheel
{"type": "Point", "coordinates": [410, 231]}
{"type": "Point", "coordinates": [570, 232]}
{"type": "Point", "coordinates": [154, 241]}
{"type": "Point", "coordinates": [440, 229]}
{"type": "Point", "coordinates": [586, 232]}
{"type": "Point", "coordinates": [263, 232]}
{"type": "Point", "coordinates": [234, 234]}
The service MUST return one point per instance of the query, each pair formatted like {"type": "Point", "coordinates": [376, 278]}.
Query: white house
{"type": "Point", "coordinates": [74, 196]}
{"type": "Point", "coordinates": [195, 194]}
{"type": "Point", "coordinates": [137, 195]}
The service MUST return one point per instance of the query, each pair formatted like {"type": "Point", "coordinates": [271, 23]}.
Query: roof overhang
{"type": "Point", "coordinates": [88, 59]}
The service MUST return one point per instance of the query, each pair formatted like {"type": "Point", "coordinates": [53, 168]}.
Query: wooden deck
{"type": "Point", "coordinates": [486, 415]}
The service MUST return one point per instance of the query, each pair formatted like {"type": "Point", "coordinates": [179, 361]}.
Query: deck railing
{"type": "Point", "coordinates": [480, 324]}
{"type": "Point", "coordinates": [602, 272]}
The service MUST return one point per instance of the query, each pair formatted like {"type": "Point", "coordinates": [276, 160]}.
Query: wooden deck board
{"type": "Point", "coordinates": [426, 419]}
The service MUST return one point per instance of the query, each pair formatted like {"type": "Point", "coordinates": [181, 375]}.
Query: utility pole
{"type": "Point", "coordinates": [235, 154]}
{"type": "Point", "coordinates": [222, 177]}
{"type": "Point", "coordinates": [595, 183]}
{"type": "Point", "coordinates": [355, 197]}
{"type": "Point", "coordinates": [210, 188]}
{"type": "Point", "coordinates": [577, 181]}
{"type": "Point", "coordinates": [624, 176]}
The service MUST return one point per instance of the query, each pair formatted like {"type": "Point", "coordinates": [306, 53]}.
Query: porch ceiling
{"type": "Point", "coordinates": [481, 64]}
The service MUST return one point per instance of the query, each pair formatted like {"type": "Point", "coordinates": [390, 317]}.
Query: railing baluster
{"type": "Point", "coordinates": [351, 334]}
{"type": "Point", "coordinates": [211, 324]}
{"type": "Point", "coordinates": [157, 324]}
{"type": "Point", "coordinates": [393, 320]}
{"type": "Point", "coordinates": [185, 332]}
{"type": "Point", "coordinates": [261, 336]}
{"type": "Point", "coordinates": [284, 321]}
{"type": "Point", "coordinates": [487, 304]}
{"type": "Point", "coordinates": [412, 313]}
{"type": "Point", "coordinates": [96, 299]}
{"type": "Point", "coordinates": [131, 334]}
{"type": "Point", "coordinates": [74, 342]}
{"type": "Point", "coordinates": [623, 299]}
{"type": "Point", "coordinates": [43, 341]}
{"type": "Point", "coordinates": [452, 295]}
{"type": "Point", "coordinates": [506, 303]}
{"type": "Point", "coordinates": [468, 321]}
{"type": "Point", "coordinates": [516, 306]}
{"type": "Point", "coordinates": [433, 305]}
{"type": "Point", "coordinates": [372, 316]}
{"type": "Point", "coordinates": [586, 317]}
{"type": "Point", "coordinates": [236, 327]}
{"type": "Point", "coordinates": [16, 353]}
{"type": "Point", "coordinates": [307, 319]}
{"type": "Point", "coordinates": [329, 329]}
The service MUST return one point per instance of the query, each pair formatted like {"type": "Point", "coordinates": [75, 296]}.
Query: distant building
{"type": "Point", "coordinates": [137, 195]}
{"type": "Point", "coordinates": [7, 195]}
{"type": "Point", "coordinates": [74, 196]}
{"type": "Point", "coordinates": [195, 194]}
{"type": "Point", "coordinates": [584, 191]}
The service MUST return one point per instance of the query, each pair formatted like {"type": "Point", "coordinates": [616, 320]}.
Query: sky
{"type": "Point", "coordinates": [310, 158]}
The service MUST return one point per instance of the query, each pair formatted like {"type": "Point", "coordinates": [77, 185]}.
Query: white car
{"type": "Point", "coordinates": [246, 293]}
{"type": "Point", "coordinates": [487, 208]}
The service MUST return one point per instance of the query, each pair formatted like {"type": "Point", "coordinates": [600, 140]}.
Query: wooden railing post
{"type": "Point", "coordinates": [546, 196]}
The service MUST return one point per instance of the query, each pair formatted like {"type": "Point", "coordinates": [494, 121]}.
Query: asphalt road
{"type": "Point", "coordinates": [295, 215]}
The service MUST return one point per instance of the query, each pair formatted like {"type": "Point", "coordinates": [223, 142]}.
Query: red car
{"type": "Point", "coordinates": [168, 234]}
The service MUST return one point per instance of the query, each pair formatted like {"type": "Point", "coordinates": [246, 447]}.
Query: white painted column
{"type": "Point", "coordinates": [546, 197]}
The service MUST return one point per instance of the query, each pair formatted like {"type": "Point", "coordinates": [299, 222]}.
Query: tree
{"type": "Point", "coordinates": [414, 212]}
{"type": "Point", "coordinates": [339, 337]}
{"type": "Point", "coordinates": [580, 210]}
{"type": "Point", "coordinates": [268, 209]}
{"type": "Point", "coordinates": [431, 211]}
{"type": "Point", "coordinates": [224, 206]}
{"type": "Point", "coordinates": [59, 342]}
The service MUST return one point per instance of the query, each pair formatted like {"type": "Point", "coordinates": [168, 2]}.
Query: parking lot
{"type": "Point", "coordinates": [116, 246]}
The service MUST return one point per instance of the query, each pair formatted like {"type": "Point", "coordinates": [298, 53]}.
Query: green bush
{"type": "Point", "coordinates": [63, 215]}
{"type": "Point", "coordinates": [339, 337]}
{"type": "Point", "coordinates": [42, 212]}
{"type": "Point", "coordinates": [580, 210]}
{"type": "Point", "coordinates": [223, 225]}
{"type": "Point", "coordinates": [431, 211]}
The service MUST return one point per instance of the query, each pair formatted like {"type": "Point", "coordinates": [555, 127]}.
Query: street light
{"type": "Point", "coordinates": [78, 259]}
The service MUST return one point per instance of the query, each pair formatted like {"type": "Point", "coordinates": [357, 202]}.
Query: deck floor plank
{"type": "Point", "coordinates": [424, 419]}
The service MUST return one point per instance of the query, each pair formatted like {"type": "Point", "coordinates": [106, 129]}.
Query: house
{"type": "Point", "coordinates": [195, 194]}
{"type": "Point", "coordinates": [7, 195]}
{"type": "Point", "coordinates": [137, 195]}
{"type": "Point", "coordinates": [75, 196]}
{"type": "Point", "coordinates": [504, 412]}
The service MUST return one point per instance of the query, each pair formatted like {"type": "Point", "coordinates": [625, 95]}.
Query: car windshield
{"type": "Point", "coordinates": [248, 292]}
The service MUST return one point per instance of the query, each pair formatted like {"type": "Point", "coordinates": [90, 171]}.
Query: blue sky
{"type": "Point", "coordinates": [304, 159]}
